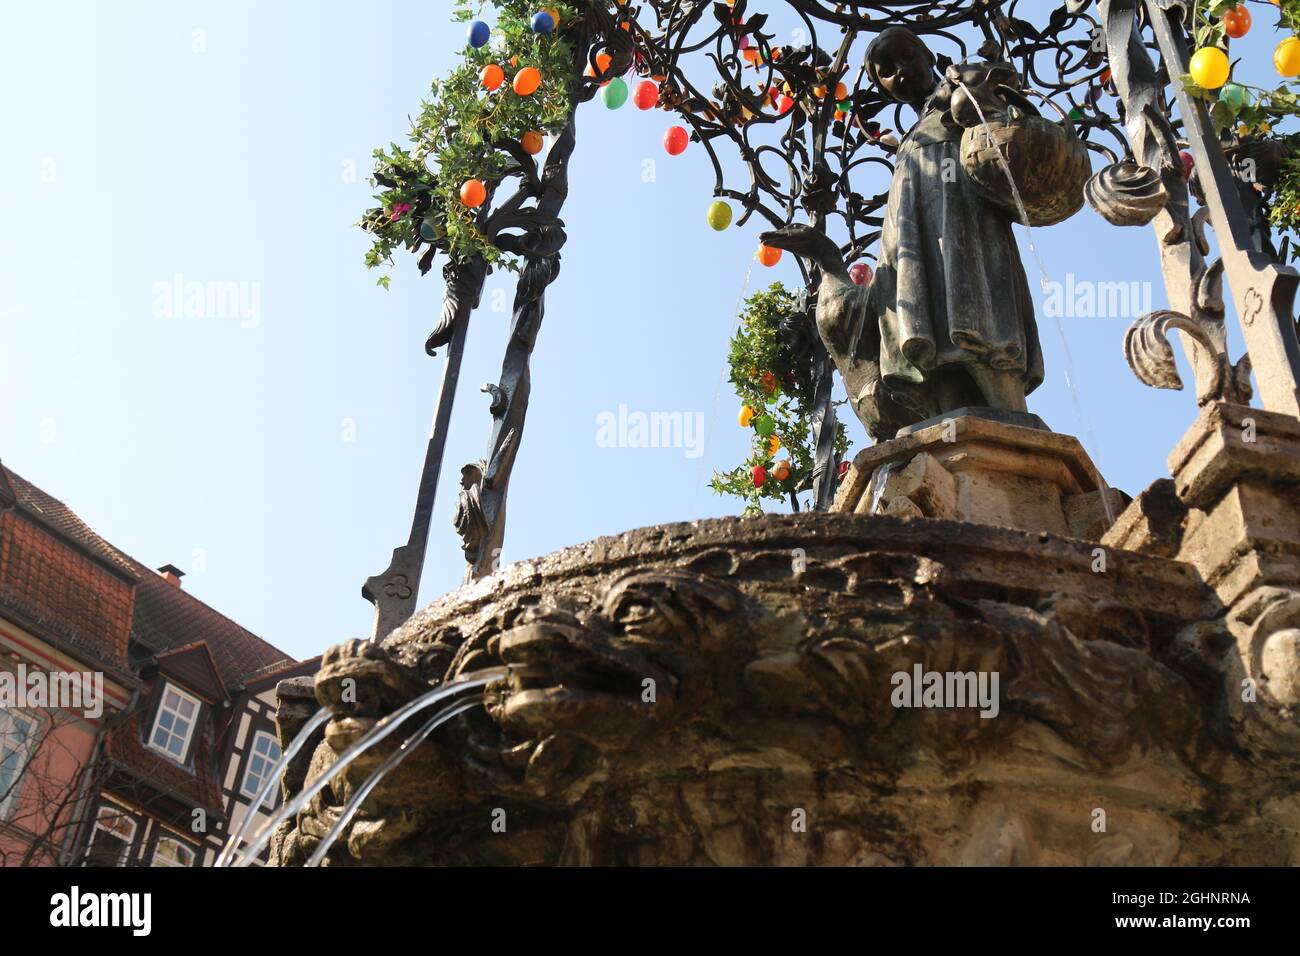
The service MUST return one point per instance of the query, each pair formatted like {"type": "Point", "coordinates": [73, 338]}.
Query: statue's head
{"type": "Point", "coordinates": [902, 65]}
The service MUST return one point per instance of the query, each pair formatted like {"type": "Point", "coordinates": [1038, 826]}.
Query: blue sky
{"type": "Point", "coordinates": [274, 453]}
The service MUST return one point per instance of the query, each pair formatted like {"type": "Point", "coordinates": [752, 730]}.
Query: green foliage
{"type": "Point", "coordinates": [1284, 211]}
{"type": "Point", "coordinates": [460, 132]}
{"type": "Point", "coordinates": [1246, 116]}
{"type": "Point", "coordinates": [767, 381]}
{"type": "Point", "coordinates": [1252, 111]}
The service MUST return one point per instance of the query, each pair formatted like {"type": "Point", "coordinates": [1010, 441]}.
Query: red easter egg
{"type": "Point", "coordinates": [646, 96]}
{"type": "Point", "coordinates": [860, 273]}
{"type": "Point", "coordinates": [675, 140]}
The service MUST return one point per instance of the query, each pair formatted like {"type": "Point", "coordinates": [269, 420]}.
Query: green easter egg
{"type": "Point", "coordinates": [614, 94]}
{"type": "Point", "coordinates": [1234, 95]}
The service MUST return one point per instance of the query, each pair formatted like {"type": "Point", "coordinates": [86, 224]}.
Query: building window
{"type": "Point", "coordinates": [170, 851]}
{"type": "Point", "coordinates": [17, 731]}
{"type": "Point", "coordinates": [265, 753]}
{"type": "Point", "coordinates": [174, 724]}
{"type": "Point", "coordinates": [110, 841]}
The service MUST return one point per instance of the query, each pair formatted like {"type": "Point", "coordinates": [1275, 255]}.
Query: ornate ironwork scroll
{"type": "Point", "coordinates": [1263, 289]}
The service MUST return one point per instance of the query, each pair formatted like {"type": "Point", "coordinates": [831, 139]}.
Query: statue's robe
{"type": "Point", "coordinates": [949, 286]}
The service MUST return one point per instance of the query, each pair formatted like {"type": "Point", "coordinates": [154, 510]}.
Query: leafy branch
{"type": "Point", "coordinates": [465, 132]}
{"type": "Point", "coordinates": [772, 372]}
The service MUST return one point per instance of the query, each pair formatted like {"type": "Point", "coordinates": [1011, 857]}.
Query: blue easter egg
{"type": "Point", "coordinates": [543, 22]}
{"type": "Point", "coordinates": [478, 34]}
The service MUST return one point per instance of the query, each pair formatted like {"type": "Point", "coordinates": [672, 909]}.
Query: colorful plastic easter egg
{"type": "Point", "coordinates": [1210, 67]}
{"type": "Point", "coordinates": [1286, 58]}
{"type": "Point", "coordinates": [472, 193]}
{"type": "Point", "coordinates": [478, 34]}
{"type": "Point", "coordinates": [860, 273]}
{"type": "Point", "coordinates": [719, 215]}
{"type": "Point", "coordinates": [527, 81]}
{"type": "Point", "coordinates": [1234, 95]}
{"type": "Point", "coordinates": [646, 96]}
{"type": "Point", "coordinates": [614, 93]}
{"type": "Point", "coordinates": [492, 76]}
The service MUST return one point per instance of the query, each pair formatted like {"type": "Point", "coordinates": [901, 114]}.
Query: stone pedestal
{"type": "Point", "coordinates": [986, 472]}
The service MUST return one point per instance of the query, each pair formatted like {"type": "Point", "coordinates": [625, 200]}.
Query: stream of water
{"type": "Point", "coordinates": [375, 735]}
{"type": "Point", "coordinates": [1044, 281]}
{"type": "Point", "coordinates": [272, 780]}
{"type": "Point", "coordinates": [408, 747]}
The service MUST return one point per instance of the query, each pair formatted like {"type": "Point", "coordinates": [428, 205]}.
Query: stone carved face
{"type": "Point", "coordinates": [902, 65]}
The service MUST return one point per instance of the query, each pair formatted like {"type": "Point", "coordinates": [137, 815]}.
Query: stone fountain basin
{"type": "Point", "coordinates": [728, 692]}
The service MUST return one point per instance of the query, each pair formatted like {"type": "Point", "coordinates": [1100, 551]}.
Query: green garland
{"type": "Point", "coordinates": [780, 395]}
{"type": "Point", "coordinates": [461, 131]}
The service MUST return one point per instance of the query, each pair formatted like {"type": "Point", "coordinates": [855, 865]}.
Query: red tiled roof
{"type": "Point", "coordinates": [57, 516]}
{"type": "Point", "coordinates": [193, 666]}
{"type": "Point", "coordinates": [166, 617]}
{"type": "Point", "coordinates": [274, 670]}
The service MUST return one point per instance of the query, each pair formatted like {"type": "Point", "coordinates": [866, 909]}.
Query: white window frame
{"type": "Point", "coordinates": [155, 860]}
{"type": "Point", "coordinates": [124, 817]}
{"type": "Point", "coordinates": [271, 797]}
{"type": "Point", "coordinates": [163, 710]}
{"type": "Point", "coordinates": [8, 722]}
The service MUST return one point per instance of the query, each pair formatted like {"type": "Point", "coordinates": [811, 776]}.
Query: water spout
{"type": "Point", "coordinates": [272, 780]}
{"type": "Point", "coordinates": [375, 735]}
{"type": "Point", "coordinates": [408, 747]}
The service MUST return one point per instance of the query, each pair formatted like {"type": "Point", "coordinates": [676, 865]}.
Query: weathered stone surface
{"type": "Point", "coordinates": [1152, 523]}
{"type": "Point", "coordinates": [925, 485]}
{"type": "Point", "coordinates": [773, 645]}
{"type": "Point", "coordinates": [1090, 514]}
